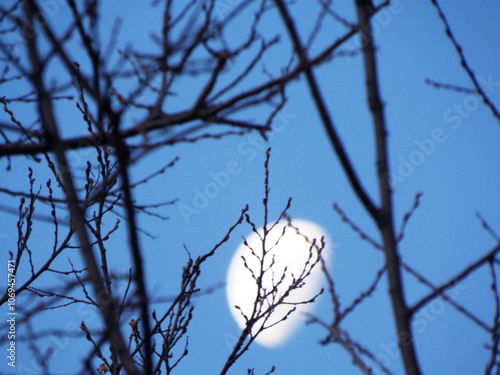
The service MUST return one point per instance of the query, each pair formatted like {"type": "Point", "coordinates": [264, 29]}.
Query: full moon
{"type": "Point", "coordinates": [289, 252]}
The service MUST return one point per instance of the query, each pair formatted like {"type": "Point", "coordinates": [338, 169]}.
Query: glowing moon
{"type": "Point", "coordinates": [285, 260]}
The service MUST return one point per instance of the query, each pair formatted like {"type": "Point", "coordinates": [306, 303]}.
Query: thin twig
{"type": "Point", "coordinates": [362, 234]}
{"type": "Point", "coordinates": [438, 291]}
{"type": "Point", "coordinates": [464, 62]}
{"type": "Point", "coordinates": [407, 216]}
{"type": "Point", "coordinates": [495, 334]}
{"type": "Point", "coordinates": [447, 86]}
{"type": "Point", "coordinates": [487, 227]}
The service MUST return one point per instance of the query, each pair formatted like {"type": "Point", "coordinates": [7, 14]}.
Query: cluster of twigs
{"type": "Point", "coordinates": [193, 42]}
{"type": "Point", "coordinates": [171, 327]}
{"type": "Point", "coordinates": [274, 287]}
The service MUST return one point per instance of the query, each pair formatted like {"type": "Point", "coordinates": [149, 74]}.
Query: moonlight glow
{"type": "Point", "coordinates": [292, 251]}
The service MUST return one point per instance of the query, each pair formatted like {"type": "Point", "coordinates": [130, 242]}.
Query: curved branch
{"type": "Point", "coordinates": [327, 121]}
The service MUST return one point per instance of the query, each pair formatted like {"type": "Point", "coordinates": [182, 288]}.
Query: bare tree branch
{"type": "Point", "coordinates": [324, 113]}
{"type": "Point", "coordinates": [464, 62]}
{"type": "Point", "coordinates": [384, 219]}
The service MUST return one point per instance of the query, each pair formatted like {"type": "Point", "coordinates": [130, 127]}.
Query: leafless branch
{"type": "Point", "coordinates": [464, 63]}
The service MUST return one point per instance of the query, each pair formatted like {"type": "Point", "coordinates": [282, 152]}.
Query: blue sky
{"type": "Point", "coordinates": [442, 143]}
